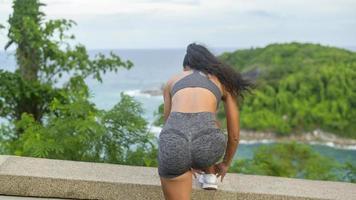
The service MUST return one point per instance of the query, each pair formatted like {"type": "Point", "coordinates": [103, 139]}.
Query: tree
{"type": "Point", "coordinates": [46, 119]}
{"type": "Point", "coordinates": [158, 115]}
{"type": "Point", "coordinates": [43, 55]}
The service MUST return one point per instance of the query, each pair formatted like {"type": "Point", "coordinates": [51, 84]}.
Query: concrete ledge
{"type": "Point", "coordinates": [25, 176]}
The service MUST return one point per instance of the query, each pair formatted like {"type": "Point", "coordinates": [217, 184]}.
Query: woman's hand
{"type": "Point", "coordinates": [196, 171]}
{"type": "Point", "coordinates": [221, 169]}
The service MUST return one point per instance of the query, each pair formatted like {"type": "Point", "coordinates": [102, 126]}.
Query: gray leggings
{"type": "Point", "coordinates": [189, 140]}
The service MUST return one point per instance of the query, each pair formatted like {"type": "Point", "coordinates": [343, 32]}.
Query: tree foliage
{"type": "Point", "coordinates": [301, 87]}
{"type": "Point", "coordinates": [79, 131]}
{"type": "Point", "coordinates": [158, 114]}
{"type": "Point", "coordinates": [350, 174]}
{"type": "Point", "coordinates": [43, 56]}
{"type": "Point", "coordinates": [52, 120]}
{"type": "Point", "coordinates": [294, 160]}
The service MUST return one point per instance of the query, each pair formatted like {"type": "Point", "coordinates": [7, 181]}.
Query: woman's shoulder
{"type": "Point", "coordinates": [218, 83]}
{"type": "Point", "coordinates": [176, 77]}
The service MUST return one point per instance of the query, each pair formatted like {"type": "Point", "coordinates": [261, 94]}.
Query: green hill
{"type": "Point", "coordinates": [301, 87]}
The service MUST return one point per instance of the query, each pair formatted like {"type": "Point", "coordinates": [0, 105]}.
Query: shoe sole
{"type": "Point", "coordinates": [206, 186]}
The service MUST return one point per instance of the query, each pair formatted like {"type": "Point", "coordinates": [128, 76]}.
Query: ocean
{"type": "Point", "coordinates": [152, 68]}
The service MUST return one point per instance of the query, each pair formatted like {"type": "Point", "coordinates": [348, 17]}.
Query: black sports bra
{"type": "Point", "coordinates": [197, 79]}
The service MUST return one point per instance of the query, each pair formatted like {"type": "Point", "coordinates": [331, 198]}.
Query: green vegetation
{"type": "Point", "coordinates": [294, 160]}
{"type": "Point", "coordinates": [301, 87]}
{"type": "Point", "coordinates": [288, 160]}
{"type": "Point", "coordinates": [159, 118]}
{"type": "Point", "coordinates": [45, 119]}
{"type": "Point", "coordinates": [350, 175]}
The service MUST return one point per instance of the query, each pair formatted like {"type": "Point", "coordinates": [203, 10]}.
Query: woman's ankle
{"type": "Point", "coordinates": [209, 170]}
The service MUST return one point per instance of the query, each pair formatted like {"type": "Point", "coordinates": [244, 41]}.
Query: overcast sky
{"type": "Point", "coordinates": [218, 23]}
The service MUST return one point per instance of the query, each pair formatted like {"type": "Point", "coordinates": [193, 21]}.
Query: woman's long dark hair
{"type": "Point", "coordinates": [200, 58]}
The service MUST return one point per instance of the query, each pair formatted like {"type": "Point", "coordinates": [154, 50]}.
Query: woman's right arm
{"type": "Point", "coordinates": [167, 100]}
{"type": "Point", "coordinates": [233, 129]}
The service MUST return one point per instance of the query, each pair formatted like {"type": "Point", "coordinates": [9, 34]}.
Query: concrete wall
{"type": "Point", "coordinates": [24, 176]}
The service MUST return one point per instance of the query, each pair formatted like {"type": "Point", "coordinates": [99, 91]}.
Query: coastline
{"type": "Point", "coordinates": [315, 137]}
{"type": "Point", "coordinates": [252, 137]}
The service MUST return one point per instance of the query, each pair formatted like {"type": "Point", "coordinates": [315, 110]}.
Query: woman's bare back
{"type": "Point", "coordinates": [193, 99]}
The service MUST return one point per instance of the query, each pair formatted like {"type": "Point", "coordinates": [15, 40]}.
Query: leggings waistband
{"type": "Point", "coordinates": [192, 120]}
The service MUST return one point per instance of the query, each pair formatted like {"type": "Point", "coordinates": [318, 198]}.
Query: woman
{"type": "Point", "coordinates": [191, 139]}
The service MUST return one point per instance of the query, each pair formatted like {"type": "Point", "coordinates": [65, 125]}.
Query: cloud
{"type": "Point", "coordinates": [187, 2]}
{"type": "Point", "coordinates": [262, 14]}
{"type": "Point", "coordinates": [174, 23]}
{"type": "Point", "coordinates": [84, 8]}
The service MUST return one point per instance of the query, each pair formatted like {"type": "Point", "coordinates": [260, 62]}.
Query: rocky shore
{"type": "Point", "coordinates": [315, 137]}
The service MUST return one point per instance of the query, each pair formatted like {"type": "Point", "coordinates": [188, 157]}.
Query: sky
{"type": "Point", "coordinates": [137, 24]}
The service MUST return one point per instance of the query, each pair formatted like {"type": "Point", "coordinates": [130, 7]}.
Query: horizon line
{"type": "Point", "coordinates": [347, 47]}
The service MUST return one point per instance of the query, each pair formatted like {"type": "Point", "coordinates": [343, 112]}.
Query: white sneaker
{"type": "Point", "coordinates": [201, 178]}
{"type": "Point", "coordinates": [208, 181]}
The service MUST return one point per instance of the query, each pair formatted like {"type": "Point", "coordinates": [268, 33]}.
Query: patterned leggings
{"type": "Point", "coordinates": [189, 140]}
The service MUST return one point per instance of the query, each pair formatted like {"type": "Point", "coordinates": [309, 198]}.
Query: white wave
{"type": "Point", "coordinates": [333, 145]}
{"type": "Point", "coordinates": [263, 141]}
{"type": "Point", "coordinates": [140, 93]}
{"type": "Point", "coordinates": [137, 93]}
{"type": "Point", "coordinates": [329, 144]}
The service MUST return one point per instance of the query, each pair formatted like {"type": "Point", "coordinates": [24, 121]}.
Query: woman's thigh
{"type": "Point", "coordinates": [178, 188]}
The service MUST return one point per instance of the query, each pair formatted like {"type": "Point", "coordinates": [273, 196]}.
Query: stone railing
{"type": "Point", "coordinates": [25, 176]}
